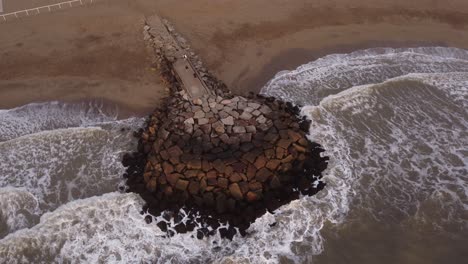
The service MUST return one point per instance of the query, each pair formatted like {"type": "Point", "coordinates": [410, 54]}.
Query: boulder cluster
{"type": "Point", "coordinates": [222, 160]}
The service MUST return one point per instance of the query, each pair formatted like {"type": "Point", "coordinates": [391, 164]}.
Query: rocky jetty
{"type": "Point", "coordinates": [218, 162]}
{"type": "Point", "coordinates": [223, 161]}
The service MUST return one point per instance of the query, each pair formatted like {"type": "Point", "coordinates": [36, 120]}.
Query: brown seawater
{"type": "Point", "coordinates": [392, 121]}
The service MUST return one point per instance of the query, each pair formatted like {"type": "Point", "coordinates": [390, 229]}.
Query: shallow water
{"type": "Point", "coordinates": [393, 121]}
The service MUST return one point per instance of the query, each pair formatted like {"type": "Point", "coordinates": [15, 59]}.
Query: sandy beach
{"type": "Point", "coordinates": [97, 51]}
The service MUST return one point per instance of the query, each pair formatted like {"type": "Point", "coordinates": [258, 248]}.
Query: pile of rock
{"type": "Point", "coordinates": [223, 160]}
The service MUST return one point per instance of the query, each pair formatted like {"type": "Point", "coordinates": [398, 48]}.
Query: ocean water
{"type": "Point", "coordinates": [393, 121]}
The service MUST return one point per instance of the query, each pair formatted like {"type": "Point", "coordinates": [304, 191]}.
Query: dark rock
{"type": "Point", "coordinates": [273, 164]}
{"type": "Point", "coordinates": [223, 183]}
{"type": "Point", "coordinates": [182, 185]}
{"type": "Point", "coordinates": [194, 187]}
{"type": "Point", "coordinates": [219, 166]}
{"type": "Point", "coordinates": [251, 197]}
{"type": "Point", "coordinates": [235, 191]}
{"type": "Point", "coordinates": [260, 162]}
{"type": "Point", "coordinates": [194, 164]}
{"type": "Point", "coordinates": [173, 178]}
{"type": "Point", "coordinates": [167, 168]}
{"type": "Point", "coordinates": [235, 177]}
{"type": "Point", "coordinates": [263, 175]}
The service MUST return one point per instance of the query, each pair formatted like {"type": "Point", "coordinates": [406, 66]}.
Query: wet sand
{"type": "Point", "coordinates": [82, 53]}
{"type": "Point", "coordinates": [247, 38]}
{"type": "Point", "coordinates": [244, 42]}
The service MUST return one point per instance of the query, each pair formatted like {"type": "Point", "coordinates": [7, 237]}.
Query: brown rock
{"type": "Point", "coordinates": [251, 197]}
{"type": "Point", "coordinates": [173, 178]}
{"type": "Point", "coordinates": [285, 167]}
{"type": "Point", "coordinates": [180, 167]}
{"type": "Point", "coordinates": [211, 174]}
{"type": "Point", "coordinates": [254, 186]}
{"type": "Point", "coordinates": [206, 128]}
{"type": "Point", "coordinates": [270, 153]}
{"type": "Point", "coordinates": [199, 114]}
{"type": "Point", "coordinates": [284, 134]}
{"type": "Point", "coordinates": [251, 171]}
{"type": "Point", "coordinates": [185, 158]}
{"type": "Point", "coordinates": [228, 171]}
{"type": "Point", "coordinates": [163, 133]}
{"type": "Point", "coordinates": [235, 177]}
{"type": "Point", "coordinates": [284, 143]}
{"type": "Point", "coordinates": [228, 121]}
{"type": "Point", "coordinates": [260, 162]}
{"type": "Point", "coordinates": [247, 147]}
{"type": "Point", "coordinates": [162, 179]}
{"type": "Point", "coordinates": [280, 153]}
{"type": "Point", "coordinates": [244, 186]}
{"type": "Point", "coordinates": [191, 173]}
{"type": "Point", "coordinates": [299, 148]}
{"type": "Point", "coordinates": [167, 168]}
{"type": "Point", "coordinates": [224, 138]}
{"type": "Point", "coordinates": [263, 175]}
{"type": "Point", "coordinates": [303, 142]}
{"type": "Point", "coordinates": [238, 129]}
{"type": "Point", "coordinates": [265, 109]}
{"type": "Point", "coordinates": [152, 184]}
{"type": "Point", "coordinates": [223, 182]}
{"type": "Point", "coordinates": [273, 164]}
{"type": "Point", "coordinates": [295, 136]}
{"type": "Point", "coordinates": [206, 165]}
{"type": "Point", "coordinates": [271, 137]}
{"type": "Point", "coordinates": [203, 121]}
{"type": "Point", "coordinates": [235, 191]}
{"type": "Point", "coordinates": [251, 129]}
{"type": "Point", "coordinates": [219, 165]}
{"type": "Point", "coordinates": [239, 167]}
{"type": "Point", "coordinates": [201, 175]}
{"type": "Point", "coordinates": [164, 155]}
{"type": "Point", "coordinates": [197, 101]}
{"type": "Point", "coordinates": [194, 187]}
{"type": "Point", "coordinates": [147, 176]}
{"type": "Point", "coordinates": [174, 151]}
{"type": "Point", "coordinates": [194, 164]}
{"type": "Point", "coordinates": [245, 115]}
{"type": "Point", "coordinates": [218, 127]}
{"type": "Point", "coordinates": [212, 181]}
{"type": "Point", "coordinates": [288, 159]}
{"type": "Point", "coordinates": [203, 185]}
{"type": "Point", "coordinates": [246, 137]}
{"type": "Point", "coordinates": [182, 185]}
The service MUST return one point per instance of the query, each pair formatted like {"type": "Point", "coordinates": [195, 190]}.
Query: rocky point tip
{"type": "Point", "coordinates": [223, 161]}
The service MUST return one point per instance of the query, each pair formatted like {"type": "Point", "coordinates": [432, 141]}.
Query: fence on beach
{"type": "Point", "coordinates": [42, 9]}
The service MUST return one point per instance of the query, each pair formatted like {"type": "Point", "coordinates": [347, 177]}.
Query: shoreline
{"type": "Point", "coordinates": [293, 58]}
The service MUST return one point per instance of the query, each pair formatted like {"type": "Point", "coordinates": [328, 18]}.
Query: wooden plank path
{"type": "Point", "coordinates": [42, 9]}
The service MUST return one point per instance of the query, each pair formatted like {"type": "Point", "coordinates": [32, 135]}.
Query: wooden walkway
{"type": "Point", "coordinates": [43, 9]}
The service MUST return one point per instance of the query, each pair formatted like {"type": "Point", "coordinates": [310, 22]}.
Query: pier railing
{"type": "Point", "coordinates": [42, 9]}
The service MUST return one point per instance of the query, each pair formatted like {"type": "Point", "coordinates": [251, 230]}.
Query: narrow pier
{"type": "Point", "coordinates": [183, 69]}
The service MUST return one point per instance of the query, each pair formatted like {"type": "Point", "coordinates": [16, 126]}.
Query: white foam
{"type": "Point", "coordinates": [36, 117]}
{"type": "Point", "coordinates": [310, 83]}
{"type": "Point", "coordinates": [61, 165]}
{"type": "Point", "coordinates": [18, 209]}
